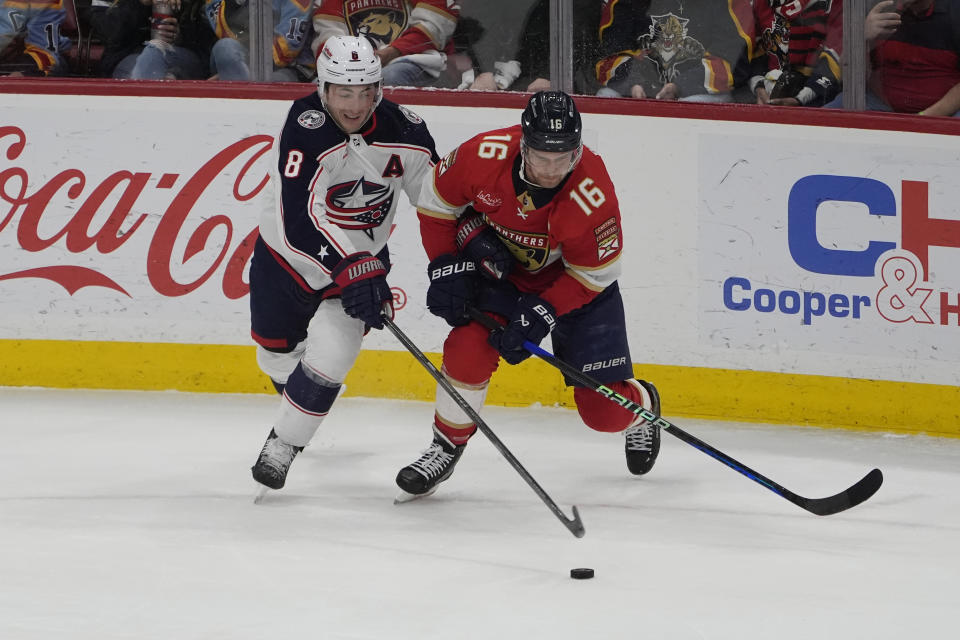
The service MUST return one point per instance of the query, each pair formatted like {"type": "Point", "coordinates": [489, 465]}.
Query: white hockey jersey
{"type": "Point", "coordinates": [337, 194]}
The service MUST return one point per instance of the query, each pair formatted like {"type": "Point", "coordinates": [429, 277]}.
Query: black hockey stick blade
{"type": "Point", "coordinates": [851, 497]}
{"type": "Point", "coordinates": [861, 491]}
{"type": "Point", "coordinates": [574, 524]}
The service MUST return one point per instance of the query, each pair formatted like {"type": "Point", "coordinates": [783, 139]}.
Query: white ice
{"type": "Point", "coordinates": [129, 515]}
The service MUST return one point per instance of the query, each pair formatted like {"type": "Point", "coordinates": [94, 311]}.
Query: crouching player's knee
{"type": "Point", "coordinates": [466, 355]}
{"type": "Point", "coordinates": [601, 414]}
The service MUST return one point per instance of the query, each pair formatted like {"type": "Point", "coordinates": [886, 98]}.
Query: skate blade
{"type": "Point", "coordinates": [261, 493]}
{"type": "Point", "coordinates": [403, 496]}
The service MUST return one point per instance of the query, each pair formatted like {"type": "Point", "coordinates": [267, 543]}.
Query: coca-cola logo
{"type": "Point", "coordinates": [123, 188]}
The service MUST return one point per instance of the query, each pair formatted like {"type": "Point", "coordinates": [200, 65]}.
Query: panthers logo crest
{"type": "Point", "coordinates": [668, 44]}
{"type": "Point", "coordinates": [381, 24]}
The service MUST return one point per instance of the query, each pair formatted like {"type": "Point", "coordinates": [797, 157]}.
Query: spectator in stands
{"type": "Point", "coordinates": [411, 37]}
{"type": "Point", "coordinates": [530, 70]}
{"type": "Point", "coordinates": [293, 61]}
{"type": "Point", "coordinates": [914, 57]}
{"type": "Point", "coordinates": [673, 50]}
{"type": "Point", "coordinates": [30, 40]}
{"type": "Point", "coordinates": [179, 48]}
{"type": "Point", "coordinates": [123, 26]}
{"type": "Point", "coordinates": [798, 46]}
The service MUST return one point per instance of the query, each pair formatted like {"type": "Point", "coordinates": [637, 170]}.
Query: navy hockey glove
{"type": "Point", "coordinates": [453, 285]}
{"type": "Point", "coordinates": [532, 320]}
{"type": "Point", "coordinates": [362, 279]}
{"type": "Point", "coordinates": [481, 243]}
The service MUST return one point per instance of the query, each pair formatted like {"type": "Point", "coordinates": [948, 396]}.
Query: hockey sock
{"type": "Point", "coordinates": [307, 399]}
{"type": "Point", "coordinates": [450, 419]}
{"type": "Point", "coordinates": [458, 434]}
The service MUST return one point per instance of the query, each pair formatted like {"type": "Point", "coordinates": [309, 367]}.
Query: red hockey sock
{"type": "Point", "coordinates": [457, 435]}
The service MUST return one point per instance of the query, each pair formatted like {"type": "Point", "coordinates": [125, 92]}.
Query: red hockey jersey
{"type": "Point", "coordinates": [566, 241]}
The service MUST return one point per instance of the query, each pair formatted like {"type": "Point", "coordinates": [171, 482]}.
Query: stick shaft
{"type": "Point", "coordinates": [850, 497]}
{"type": "Point", "coordinates": [575, 525]}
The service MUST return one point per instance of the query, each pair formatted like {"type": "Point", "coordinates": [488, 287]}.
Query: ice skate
{"type": "Point", "coordinates": [420, 478]}
{"type": "Point", "coordinates": [643, 440]}
{"type": "Point", "coordinates": [271, 467]}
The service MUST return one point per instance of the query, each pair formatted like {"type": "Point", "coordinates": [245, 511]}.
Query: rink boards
{"type": "Point", "coordinates": [779, 265]}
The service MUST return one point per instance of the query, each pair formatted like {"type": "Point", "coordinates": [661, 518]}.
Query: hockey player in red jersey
{"type": "Point", "coordinates": [523, 223]}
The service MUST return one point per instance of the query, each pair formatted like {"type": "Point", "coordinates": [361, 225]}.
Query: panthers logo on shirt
{"type": "Point", "coordinates": [531, 250]}
{"type": "Point", "coordinates": [359, 205]}
{"type": "Point", "coordinates": [669, 44]}
{"type": "Point", "coordinates": [381, 23]}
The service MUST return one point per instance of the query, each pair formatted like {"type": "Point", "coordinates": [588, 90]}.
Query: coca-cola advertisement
{"type": "Point", "coordinates": [131, 233]}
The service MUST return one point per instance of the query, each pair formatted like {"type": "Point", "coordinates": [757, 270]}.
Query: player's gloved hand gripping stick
{"type": "Point", "coordinates": [575, 525]}
{"type": "Point", "coordinates": [365, 294]}
{"type": "Point", "coordinates": [859, 492]}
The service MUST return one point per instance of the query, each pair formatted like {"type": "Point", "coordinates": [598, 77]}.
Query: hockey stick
{"type": "Point", "coordinates": [851, 497]}
{"type": "Point", "coordinates": [575, 525]}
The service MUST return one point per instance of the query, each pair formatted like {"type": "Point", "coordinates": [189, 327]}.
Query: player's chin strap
{"type": "Point", "coordinates": [851, 497]}
{"type": "Point", "coordinates": [575, 525]}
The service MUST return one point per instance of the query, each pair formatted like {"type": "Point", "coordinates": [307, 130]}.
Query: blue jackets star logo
{"type": "Point", "coordinates": [361, 205]}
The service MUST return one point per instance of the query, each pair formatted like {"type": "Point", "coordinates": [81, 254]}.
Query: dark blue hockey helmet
{"type": "Point", "coordinates": [551, 122]}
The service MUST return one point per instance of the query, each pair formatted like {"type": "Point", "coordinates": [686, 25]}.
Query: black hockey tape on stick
{"type": "Point", "coordinates": [575, 525]}
{"type": "Point", "coordinates": [851, 497]}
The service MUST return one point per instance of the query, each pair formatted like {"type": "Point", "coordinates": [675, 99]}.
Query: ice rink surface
{"type": "Point", "coordinates": [130, 515]}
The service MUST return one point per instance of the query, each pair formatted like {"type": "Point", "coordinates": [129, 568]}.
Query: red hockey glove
{"type": "Point", "coordinates": [362, 279]}
{"type": "Point", "coordinates": [481, 243]}
{"type": "Point", "coordinates": [532, 319]}
{"type": "Point", "coordinates": [453, 285]}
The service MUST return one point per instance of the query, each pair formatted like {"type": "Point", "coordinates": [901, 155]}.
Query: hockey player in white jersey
{"type": "Point", "coordinates": [318, 277]}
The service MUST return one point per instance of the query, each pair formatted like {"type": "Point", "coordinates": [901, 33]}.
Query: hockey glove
{"type": "Point", "coordinates": [453, 285]}
{"type": "Point", "coordinates": [362, 279]}
{"type": "Point", "coordinates": [481, 243]}
{"type": "Point", "coordinates": [532, 320]}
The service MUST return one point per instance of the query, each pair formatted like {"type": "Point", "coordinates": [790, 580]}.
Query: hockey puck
{"type": "Point", "coordinates": [581, 573]}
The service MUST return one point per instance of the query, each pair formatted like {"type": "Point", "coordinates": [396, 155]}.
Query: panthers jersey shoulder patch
{"type": "Point", "coordinates": [447, 162]}
{"type": "Point", "coordinates": [608, 238]}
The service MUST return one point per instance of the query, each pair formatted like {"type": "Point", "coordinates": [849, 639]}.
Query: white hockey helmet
{"type": "Point", "coordinates": [348, 60]}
